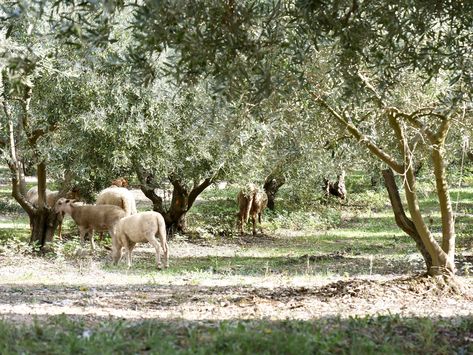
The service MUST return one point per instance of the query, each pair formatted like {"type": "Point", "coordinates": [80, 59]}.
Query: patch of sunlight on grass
{"type": "Point", "coordinates": [355, 234]}
{"type": "Point", "coordinates": [14, 225]}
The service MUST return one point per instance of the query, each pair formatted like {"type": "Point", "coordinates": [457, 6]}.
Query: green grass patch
{"type": "Point", "coordinates": [364, 335]}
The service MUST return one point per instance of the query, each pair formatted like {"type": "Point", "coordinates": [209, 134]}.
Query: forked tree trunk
{"type": "Point", "coordinates": [400, 217]}
{"type": "Point", "coordinates": [43, 220]}
{"type": "Point", "coordinates": [442, 256]}
{"type": "Point", "coordinates": [182, 200]}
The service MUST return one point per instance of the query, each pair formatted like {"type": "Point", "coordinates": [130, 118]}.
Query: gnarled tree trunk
{"type": "Point", "coordinates": [43, 223]}
{"type": "Point", "coordinates": [271, 186]}
{"type": "Point", "coordinates": [182, 199]}
{"type": "Point", "coordinates": [43, 220]}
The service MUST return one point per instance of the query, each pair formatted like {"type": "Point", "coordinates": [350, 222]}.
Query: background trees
{"type": "Point", "coordinates": [288, 78]}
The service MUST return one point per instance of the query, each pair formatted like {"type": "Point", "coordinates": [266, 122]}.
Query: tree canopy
{"type": "Point", "coordinates": [184, 90]}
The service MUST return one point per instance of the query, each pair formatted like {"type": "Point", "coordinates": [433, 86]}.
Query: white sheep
{"type": "Point", "coordinates": [91, 217]}
{"type": "Point", "coordinates": [51, 197]}
{"type": "Point", "coordinates": [118, 196]}
{"type": "Point", "coordinates": [140, 228]}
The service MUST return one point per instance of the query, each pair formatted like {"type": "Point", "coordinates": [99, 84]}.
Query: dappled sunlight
{"type": "Point", "coordinates": [16, 226]}
{"type": "Point", "coordinates": [355, 234]}
{"type": "Point", "coordinates": [345, 298]}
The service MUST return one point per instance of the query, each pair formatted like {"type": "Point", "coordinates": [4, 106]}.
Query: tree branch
{"type": "Point", "coordinates": [378, 97]}
{"type": "Point", "coordinates": [196, 191]}
{"type": "Point", "coordinates": [389, 160]}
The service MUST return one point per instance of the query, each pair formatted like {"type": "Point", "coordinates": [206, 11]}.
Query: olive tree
{"type": "Point", "coordinates": [352, 58]}
{"type": "Point", "coordinates": [34, 84]}
{"type": "Point", "coordinates": [394, 75]}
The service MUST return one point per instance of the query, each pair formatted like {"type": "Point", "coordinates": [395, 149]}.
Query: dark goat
{"type": "Point", "coordinates": [336, 188]}
{"type": "Point", "coordinates": [251, 202]}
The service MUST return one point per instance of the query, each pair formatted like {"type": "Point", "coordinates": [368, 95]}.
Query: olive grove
{"type": "Point", "coordinates": [394, 76]}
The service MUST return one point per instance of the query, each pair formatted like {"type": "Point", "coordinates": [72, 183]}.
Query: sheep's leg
{"type": "Point", "coordinates": [92, 244]}
{"type": "Point", "coordinates": [164, 245]}
{"type": "Point", "coordinates": [156, 246]}
{"type": "Point", "coordinates": [166, 253]}
{"type": "Point", "coordinates": [59, 231]}
{"type": "Point", "coordinates": [259, 220]}
{"type": "Point", "coordinates": [129, 250]}
{"type": "Point", "coordinates": [116, 253]}
{"type": "Point", "coordinates": [242, 222]}
{"type": "Point", "coordinates": [253, 219]}
{"type": "Point", "coordinates": [82, 232]}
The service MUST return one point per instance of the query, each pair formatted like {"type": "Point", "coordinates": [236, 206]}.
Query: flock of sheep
{"type": "Point", "coordinates": [115, 212]}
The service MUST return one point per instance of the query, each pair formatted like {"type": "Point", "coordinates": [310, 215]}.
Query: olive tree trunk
{"type": "Point", "coordinates": [183, 198]}
{"type": "Point", "coordinates": [271, 186]}
{"type": "Point", "coordinates": [400, 217]}
{"type": "Point", "coordinates": [440, 259]}
{"type": "Point", "coordinates": [43, 220]}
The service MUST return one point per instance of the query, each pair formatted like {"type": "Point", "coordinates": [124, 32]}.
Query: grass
{"type": "Point", "coordinates": [393, 335]}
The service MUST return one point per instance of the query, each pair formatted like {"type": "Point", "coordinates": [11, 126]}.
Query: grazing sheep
{"type": "Point", "coordinates": [251, 202]}
{"type": "Point", "coordinates": [51, 197]}
{"type": "Point", "coordinates": [140, 228]}
{"type": "Point", "coordinates": [91, 217]}
{"type": "Point", "coordinates": [336, 188]}
{"type": "Point", "coordinates": [118, 196]}
{"type": "Point", "coordinates": [120, 182]}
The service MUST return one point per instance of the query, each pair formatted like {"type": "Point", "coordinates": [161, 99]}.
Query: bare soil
{"type": "Point", "coordinates": [91, 289]}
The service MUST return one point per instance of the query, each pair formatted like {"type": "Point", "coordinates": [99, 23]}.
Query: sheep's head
{"type": "Point", "coordinates": [120, 182]}
{"type": "Point", "coordinates": [62, 204]}
{"type": "Point", "coordinates": [73, 194]}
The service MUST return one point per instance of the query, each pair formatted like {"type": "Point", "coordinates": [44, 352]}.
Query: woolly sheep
{"type": "Point", "coordinates": [91, 217]}
{"type": "Point", "coordinates": [140, 228]}
{"type": "Point", "coordinates": [118, 196]}
{"type": "Point", "coordinates": [51, 197]}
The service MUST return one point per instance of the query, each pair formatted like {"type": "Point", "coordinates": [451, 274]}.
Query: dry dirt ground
{"type": "Point", "coordinates": [91, 289]}
{"type": "Point", "coordinates": [86, 286]}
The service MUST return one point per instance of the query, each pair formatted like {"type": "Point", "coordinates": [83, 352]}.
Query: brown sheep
{"type": "Point", "coordinates": [91, 217]}
{"type": "Point", "coordinates": [120, 182]}
{"type": "Point", "coordinates": [251, 202]}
